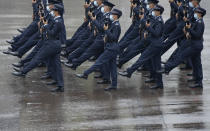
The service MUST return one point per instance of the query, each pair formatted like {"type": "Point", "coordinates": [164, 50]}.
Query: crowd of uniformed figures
{"type": "Point", "coordinates": [97, 39]}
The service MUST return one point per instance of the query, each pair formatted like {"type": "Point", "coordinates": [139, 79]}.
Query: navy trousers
{"type": "Point", "coordinates": [151, 53]}
{"type": "Point", "coordinates": [96, 48]}
{"type": "Point", "coordinates": [108, 57]}
{"type": "Point", "coordinates": [194, 52]}
{"type": "Point", "coordinates": [49, 51]}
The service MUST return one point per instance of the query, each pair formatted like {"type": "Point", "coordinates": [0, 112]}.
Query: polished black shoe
{"type": "Point", "coordinates": [58, 89]}
{"type": "Point", "coordinates": [150, 81]}
{"type": "Point", "coordinates": [163, 62]}
{"type": "Point", "coordinates": [110, 88]}
{"type": "Point", "coordinates": [42, 65]}
{"type": "Point", "coordinates": [186, 68]}
{"type": "Point", "coordinates": [163, 71]}
{"type": "Point", "coordinates": [51, 83]}
{"type": "Point", "coordinates": [104, 82]}
{"type": "Point", "coordinates": [197, 86]}
{"type": "Point", "coordinates": [20, 30]}
{"type": "Point", "coordinates": [98, 76]}
{"type": "Point", "coordinates": [82, 76]}
{"type": "Point", "coordinates": [64, 61]}
{"type": "Point", "coordinates": [10, 42]}
{"type": "Point", "coordinates": [124, 73]}
{"type": "Point", "coordinates": [46, 76]}
{"type": "Point", "coordinates": [190, 74]}
{"type": "Point", "coordinates": [63, 53]}
{"type": "Point", "coordinates": [8, 52]}
{"type": "Point", "coordinates": [141, 69]}
{"type": "Point", "coordinates": [10, 48]}
{"type": "Point", "coordinates": [17, 69]}
{"type": "Point", "coordinates": [70, 65]}
{"type": "Point", "coordinates": [17, 64]}
{"type": "Point", "coordinates": [191, 80]}
{"type": "Point", "coordinates": [92, 59]}
{"type": "Point", "coordinates": [19, 74]}
{"type": "Point", "coordinates": [156, 87]}
{"type": "Point", "coordinates": [147, 76]}
{"type": "Point", "coordinates": [15, 54]}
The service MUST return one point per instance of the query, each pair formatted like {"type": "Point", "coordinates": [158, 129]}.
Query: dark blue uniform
{"type": "Point", "coordinates": [98, 46]}
{"type": "Point", "coordinates": [110, 53]}
{"type": "Point", "coordinates": [193, 51]}
{"type": "Point", "coordinates": [153, 52]}
{"type": "Point", "coordinates": [79, 51]}
{"type": "Point", "coordinates": [135, 47]}
{"type": "Point", "coordinates": [133, 31]}
{"type": "Point", "coordinates": [50, 51]}
{"type": "Point", "coordinates": [170, 24]}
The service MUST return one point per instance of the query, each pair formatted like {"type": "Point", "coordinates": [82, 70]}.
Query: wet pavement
{"type": "Point", "coordinates": [27, 105]}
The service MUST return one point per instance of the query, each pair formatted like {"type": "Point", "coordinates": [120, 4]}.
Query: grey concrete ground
{"type": "Point", "coordinates": [27, 105]}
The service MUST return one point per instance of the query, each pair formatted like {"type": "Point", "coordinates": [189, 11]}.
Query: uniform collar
{"type": "Point", "coordinates": [57, 17]}
{"type": "Point", "coordinates": [107, 14]}
{"type": "Point", "coordinates": [199, 19]}
{"type": "Point", "coordinates": [115, 21]}
{"type": "Point", "coordinates": [158, 16]}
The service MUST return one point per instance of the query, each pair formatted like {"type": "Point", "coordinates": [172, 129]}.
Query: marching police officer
{"type": "Point", "coordinates": [194, 33]}
{"type": "Point", "coordinates": [51, 49]}
{"type": "Point", "coordinates": [97, 47]}
{"type": "Point", "coordinates": [112, 34]}
{"type": "Point", "coordinates": [153, 35]}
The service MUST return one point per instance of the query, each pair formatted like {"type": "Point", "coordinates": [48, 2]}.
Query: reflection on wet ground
{"type": "Point", "coordinates": [27, 104]}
